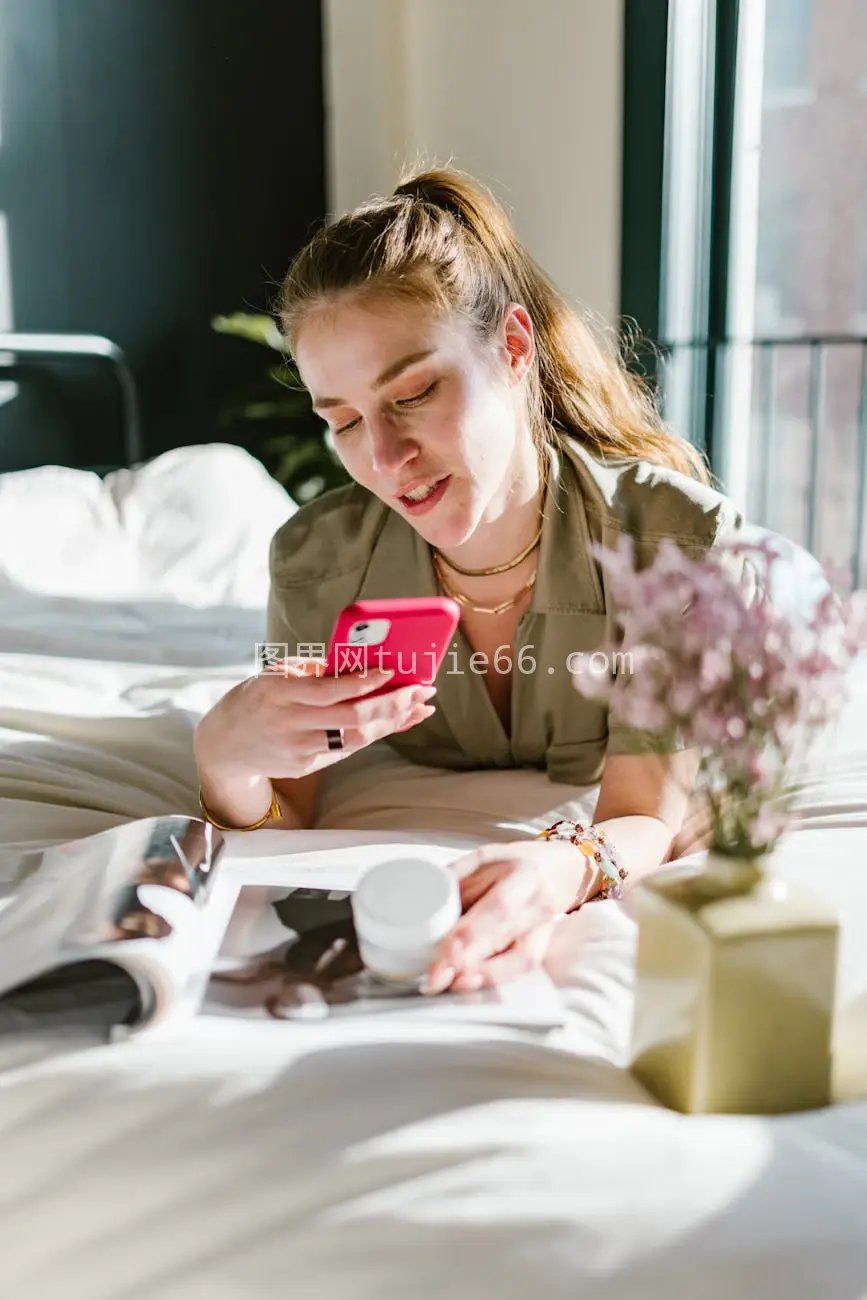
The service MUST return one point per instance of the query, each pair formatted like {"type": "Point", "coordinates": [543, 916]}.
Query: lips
{"type": "Point", "coordinates": [425, 503]}
{"type": "Point", "coordinates": [417, 484]}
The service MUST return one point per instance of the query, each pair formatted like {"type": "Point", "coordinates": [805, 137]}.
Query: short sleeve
{"type": "Point", "coordinates": [317, 561]}
{"type": "Point", "coordinates": [284, 621]}
{"type": "Point", "coordinates": [623, 739]}
{"type": "Point", "coordinates": [281, 628]}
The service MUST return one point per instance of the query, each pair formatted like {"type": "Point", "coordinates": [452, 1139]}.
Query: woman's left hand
{"type": "Point", "coordinates": [512, 894]}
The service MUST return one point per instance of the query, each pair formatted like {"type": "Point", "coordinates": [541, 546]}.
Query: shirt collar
{"type": "Point", "coordinates": [567, 578]}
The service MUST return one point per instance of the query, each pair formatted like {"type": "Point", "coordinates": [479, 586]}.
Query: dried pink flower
{"type": "Point", "coordinates": [716, 666]}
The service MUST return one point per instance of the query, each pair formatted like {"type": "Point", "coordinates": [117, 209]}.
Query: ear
{"type": "Point", "coordinates": [518, 340]}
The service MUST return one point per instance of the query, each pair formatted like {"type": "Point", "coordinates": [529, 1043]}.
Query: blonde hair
{"type": "Point", "coordinates": [444, 239]}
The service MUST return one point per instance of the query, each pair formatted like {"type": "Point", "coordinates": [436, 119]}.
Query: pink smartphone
{"type": "Point", "coordinates": [409, 634]}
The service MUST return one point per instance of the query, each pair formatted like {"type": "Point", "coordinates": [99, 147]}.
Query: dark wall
{"type": "Point", "coordinates": [161, 160]}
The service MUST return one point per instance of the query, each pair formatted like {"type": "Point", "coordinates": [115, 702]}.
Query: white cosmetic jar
{"type": "Point", "coordinates": [402, 910]}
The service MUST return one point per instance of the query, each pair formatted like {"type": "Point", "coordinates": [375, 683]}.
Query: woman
{"type": "Point", "coordinates": [491, 441]}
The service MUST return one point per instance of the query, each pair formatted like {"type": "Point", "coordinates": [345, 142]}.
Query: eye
{"type": "Point", "coordinates": [412, 401]}
{"type": "Point", "coordinates": [404, 401]}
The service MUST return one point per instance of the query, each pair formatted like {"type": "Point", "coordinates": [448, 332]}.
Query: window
{"type": "Point", "coordinates": [763, 263]}
{"type": "Point", "coordinates": [861, 305]}
{"type": "Point", "coordinates": [779, 264]}
{"type": "Point", "coordinates": [788, 29]}
{"type": "Point", "coordinates": [8, 389]}
{"type": "Point", "coordinates": [798, 271]}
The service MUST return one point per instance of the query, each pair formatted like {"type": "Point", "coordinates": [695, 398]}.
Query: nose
{"type": "Point", "coordinates": [390, 449]}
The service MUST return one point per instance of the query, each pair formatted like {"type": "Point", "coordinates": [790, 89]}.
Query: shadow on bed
{"type": "Point", "coordinates": [445, 1170]}
{"type": "Point", "coordinates": [147, 631]}
{"type": "Point", "coordinates": [515, 1170]}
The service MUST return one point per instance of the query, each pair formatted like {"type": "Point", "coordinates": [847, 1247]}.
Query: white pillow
{"type": "Point", "coordinates": [192, 526]}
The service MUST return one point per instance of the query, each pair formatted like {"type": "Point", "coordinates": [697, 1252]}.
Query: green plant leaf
{"type": "Point", "coordinates": [300, 456]}
{"type": "Point", "coordinates": [296, 446]}
{"type": "Point", "coordinates": [305, 469]}
{"type": "Point", "coordinates": [255, 328]}
{"type": "Point", "coordinates": [274, 408]}
{"type": "Point", "coordinates": [265, 400]}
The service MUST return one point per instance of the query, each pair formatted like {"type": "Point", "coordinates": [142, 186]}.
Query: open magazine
{"type": "Point", "coordinates": [125, 924]}
{"type": "Point", "coordinates": [158, 920]}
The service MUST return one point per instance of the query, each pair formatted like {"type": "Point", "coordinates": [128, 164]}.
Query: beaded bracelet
{"type": "Point", "coordinates": [596, 846]}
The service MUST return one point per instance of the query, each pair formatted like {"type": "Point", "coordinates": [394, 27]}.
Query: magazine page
{"type": "Point", "coordinates": [127, 921]}
{"type": "Point", "coordinates": [290, 952]}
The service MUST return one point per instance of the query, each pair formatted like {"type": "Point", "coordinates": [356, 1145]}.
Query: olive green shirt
{"type": "Point", "coordinates": [348, 545]}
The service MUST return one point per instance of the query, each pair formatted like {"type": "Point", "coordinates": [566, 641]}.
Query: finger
{"type": "Point", "coordinates": [418, 715]}
{"type": "Point", "coordinates": [526, 953]}
{"type": "Point", "coordinates": [479, 882]}
{"type": "Point", "coordinates": [313, 752]}
{"type": "Point", "coordinates": [438, 979]}
{"type": "Point", "coordinates": [452, 952]}
{"type": "Point", "coordinates": [485, 856]}
{"type": "Point", "coordinates": [490, 925]}
{"type": "Point", "coordinates": [323, 690]}
{"type": "Point", "coordinates": [360, 737]}
{"type": "Point", "coordinates": [477, 871]}
{"type": "Point", "coordinates": [461, 966]}
{"type": "Point", "coordinates": [295, 666]}
{"type": "Point", "coordinates": [381, 730]}
{"type": "Point", "coordinates": [312, 740]}
{"type": "Point", "coordinates": [391, 710]}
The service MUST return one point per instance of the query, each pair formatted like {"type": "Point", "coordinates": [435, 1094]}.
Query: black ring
{"type": "Point", "coordinates": [334, 737]}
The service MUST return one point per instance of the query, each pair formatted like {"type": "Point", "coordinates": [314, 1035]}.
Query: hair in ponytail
{"type": "Point", "coordinates": [443, 238]}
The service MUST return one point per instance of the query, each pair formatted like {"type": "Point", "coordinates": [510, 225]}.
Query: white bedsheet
{"type": "Point", "coordinates": [241, 1160]}
{"type": "Point", "coordinates": [258, 1159]}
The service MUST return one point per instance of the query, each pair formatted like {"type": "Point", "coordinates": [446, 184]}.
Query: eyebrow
{"type": "Point", "coordinates": [390, 372]}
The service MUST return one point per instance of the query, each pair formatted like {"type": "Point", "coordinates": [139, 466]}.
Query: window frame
{"type": "Point", "coordinates": [648, 128]}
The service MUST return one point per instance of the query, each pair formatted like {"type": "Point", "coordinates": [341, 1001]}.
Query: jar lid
{"type": "Point", "coordinates": [406, 901]}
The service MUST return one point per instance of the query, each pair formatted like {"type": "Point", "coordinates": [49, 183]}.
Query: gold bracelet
{"type": "Point", "coordinates": [273, 814]}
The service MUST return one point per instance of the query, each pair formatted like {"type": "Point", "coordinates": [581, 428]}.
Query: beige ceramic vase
{"type": "Point", "coordinates": [735, 982]}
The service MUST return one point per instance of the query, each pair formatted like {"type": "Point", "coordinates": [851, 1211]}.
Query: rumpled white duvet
{"type": "Point", "coordinates": [238, 1160]}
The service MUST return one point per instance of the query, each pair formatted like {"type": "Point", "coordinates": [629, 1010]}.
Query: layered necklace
{"type": "Point", "coordinates": [440, 562]}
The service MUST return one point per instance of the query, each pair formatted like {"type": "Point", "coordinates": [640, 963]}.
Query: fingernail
{"type": "Point", "coordinates": [385, 672]}
{"type": "Point", "coordinates": [470, 983]}
{"type": "Point", "coordinates": [422, 693]}
{"type": "Point", "coordinates": [440, 981]}
{"type": "Point", "coordinates": [418, 713]}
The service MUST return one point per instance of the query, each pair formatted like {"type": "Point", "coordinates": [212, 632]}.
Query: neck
{"type": "Point", "coordinates": [507, 526]}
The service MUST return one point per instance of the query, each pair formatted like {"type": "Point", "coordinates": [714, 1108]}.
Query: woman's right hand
{"type": "Point", "coordinates": [274, 724]}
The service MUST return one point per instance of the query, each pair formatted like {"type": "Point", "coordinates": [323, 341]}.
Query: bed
{"type": "Point", "coordinates": [243, 1159]}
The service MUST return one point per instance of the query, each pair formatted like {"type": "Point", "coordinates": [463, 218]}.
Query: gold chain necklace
{"type": "Point", "coordinates": [480, 609]}
{"type": "Point", "coordinates": [497, 568]}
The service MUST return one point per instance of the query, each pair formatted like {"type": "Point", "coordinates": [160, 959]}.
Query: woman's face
{"type": "Point", "coordinates": [419, 416]}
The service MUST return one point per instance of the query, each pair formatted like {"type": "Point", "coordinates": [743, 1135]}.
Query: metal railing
{"type": "Point", "coordinates": [712, 369]}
